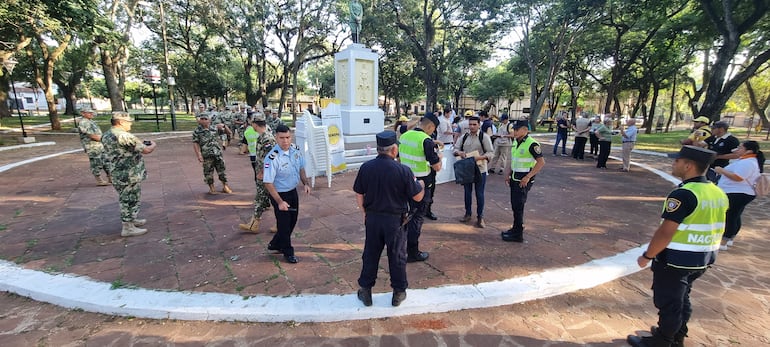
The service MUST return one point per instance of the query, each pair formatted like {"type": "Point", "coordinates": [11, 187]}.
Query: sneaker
{"type": "Point", "coordinates": [729, 242]}
{"type": "Point", "coordinates": [564, 154]}
{"type": "Point", "coordinates": [723, 247]}
{"type": "Point", "coordinates": [466, 218]}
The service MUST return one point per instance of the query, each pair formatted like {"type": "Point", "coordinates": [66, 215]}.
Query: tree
{"type": "Point", "coordinates": [440, 33]}
{"type": "Point", "coordinates": [742, 27]}
{"type": "Point", "coordinates": [498, 82]}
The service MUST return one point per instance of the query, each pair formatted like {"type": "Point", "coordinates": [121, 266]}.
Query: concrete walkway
{"type": "Point", "coordinates": [70, 228]}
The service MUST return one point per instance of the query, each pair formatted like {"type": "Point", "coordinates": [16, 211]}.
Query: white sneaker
{"type": "Point", "coordinates": [729, 242]}
{"type": "Point", "coordinates": [723, 247]}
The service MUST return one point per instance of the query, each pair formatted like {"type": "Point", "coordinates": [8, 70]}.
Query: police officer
{"type": "Point", "coordinates": [284, 169]}
{"type": "Point", "coordinates": [684, 245]}
{"type": "Point", "coordinates": [384, 189]}
{"type": "Point", "coordinates": [418, 152]}
{"type": "Point", "coordinates": [123, 151]}
{"type": "Point", "coordinates": [260, 143]}
{"type": "Point", "coordinates": [526, 161]}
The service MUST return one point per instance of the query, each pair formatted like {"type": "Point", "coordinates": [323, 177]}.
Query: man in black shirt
{"type": "Point", "coordinates": [724, 143]}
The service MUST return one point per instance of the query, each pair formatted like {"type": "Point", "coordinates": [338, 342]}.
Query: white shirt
{"type": "Point", "coordinates": [748, 169]}
{"type": "Point", "coordinates": [444, 127]}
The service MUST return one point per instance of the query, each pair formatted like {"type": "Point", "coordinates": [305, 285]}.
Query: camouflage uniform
{"type": "Point", "coordinates": [273, 123]}
{"type": "Point", "coordinates": [211, 150]}
{"type": "Point", "coordinates": [93, 148]}
{"type": "Point", "coordinates": [123, 152]}
{"type": "Point", "coordinates": [265, 142]}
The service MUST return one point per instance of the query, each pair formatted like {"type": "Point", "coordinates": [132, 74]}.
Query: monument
{"type": "Point", "coordinates": [356, 76]}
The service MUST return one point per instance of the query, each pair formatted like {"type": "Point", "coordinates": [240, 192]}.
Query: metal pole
{"type": "Point", "coordinates": [18, 110]}
{"type": "Point", "coordinates": [168, 68]}
{"type": "Point", "coordinates": [155, 102]}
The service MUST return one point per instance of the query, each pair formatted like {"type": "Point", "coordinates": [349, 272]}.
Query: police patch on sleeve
{"type": "Point", "coordinates": [672, 205]}
{"type": "Point", "coordinates": [537, 149]}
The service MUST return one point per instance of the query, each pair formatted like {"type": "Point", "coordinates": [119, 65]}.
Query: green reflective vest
{"type": "Point", "coordinates": [521, 159]}
{"type": "Point", "coordinates": [412, 152]}
{"type": "Point", "coordinates": [698, 236]}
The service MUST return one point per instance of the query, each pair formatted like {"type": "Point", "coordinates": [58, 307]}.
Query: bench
{"type": "Point", "coordinates": [149, 116]}
{"type": "Point", "coordinates": [659, 128]}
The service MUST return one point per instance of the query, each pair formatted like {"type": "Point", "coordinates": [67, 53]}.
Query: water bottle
{"type": "Point", "coordinates": [368, 149]}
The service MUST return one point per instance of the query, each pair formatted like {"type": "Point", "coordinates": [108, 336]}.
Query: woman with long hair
{"type": "Point", "coordinates": [737, 181]}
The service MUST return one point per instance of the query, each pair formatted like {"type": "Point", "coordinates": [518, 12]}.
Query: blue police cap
{"type": "Point", "coordinates": [520, 123]}
{"type": "Point", "coordinates": [432, 118]}
{"type": "Point", "coordinates": [696, 154]}
{"type": "Point", "coordinates": [386, 138]}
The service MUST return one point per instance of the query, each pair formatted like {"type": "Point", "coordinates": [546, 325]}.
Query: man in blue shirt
{"type": "Point", "coordinates": [284, 170]}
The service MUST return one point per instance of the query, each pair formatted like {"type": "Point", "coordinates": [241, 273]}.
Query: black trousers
{"type": "Point", "coordinates": [579, 148]}
{"type": "Point", "coordinates": [738, 202]}
{"type": "Point", "coordinates": [604, 153]}
{"type": "Point", "coordinates": [671, 294]}
{"type": "Point", "coordinates": [518, 199]}
{"type": "Point", "coordinates": [384, 231]}
{"type": "Point", "coordinates": [285, 221]}
{"type": "Point", "coordinates": [594, 143]}
{"type": "Point", "coordinates": [419, 209]}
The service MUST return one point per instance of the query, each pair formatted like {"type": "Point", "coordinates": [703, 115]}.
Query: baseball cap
{"type": "Point", "coordinates": [469, 113]}
{"type": "Point", "coordinates": [702, 119]}
{"type": "Point", "coordinates": [386, 138]}
{"type": "Point", "coordinates": [696, 154]}
{"type": "Point", "coordinates": [504, 117]}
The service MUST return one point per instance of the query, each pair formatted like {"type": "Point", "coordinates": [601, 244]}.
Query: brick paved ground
{"type": "Point", "coordinates": [55, 219]}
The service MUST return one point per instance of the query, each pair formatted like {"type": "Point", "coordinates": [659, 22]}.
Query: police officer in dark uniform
{"type": "Point", "coordinates": [683, 246]}
{"type": "Point", "coordinates": [526, 161]}
{"type": "Point", "coordinates": [384, 189]}
{"type": "Point", "coordinates": [418, 152]}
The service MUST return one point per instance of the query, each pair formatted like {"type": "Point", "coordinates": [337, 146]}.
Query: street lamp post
{"type": "Point", "coordinates": [153, 77]}
{"type": "Point", "coordinates": [9, 64]}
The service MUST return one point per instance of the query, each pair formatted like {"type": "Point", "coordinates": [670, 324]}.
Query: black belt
{"type": "Point", "coordinates": [629, 141]}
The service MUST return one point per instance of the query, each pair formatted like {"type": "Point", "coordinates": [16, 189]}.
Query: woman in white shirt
{"type": "Point", "coordinates": [737, 181]}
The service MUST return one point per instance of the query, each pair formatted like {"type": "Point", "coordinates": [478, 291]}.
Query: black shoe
{"type": "Point", "coordinates": [365, 295]}
{"type": "Point", "coordinates": [678, 337]}
{"type": "Point", "coordinates": [291, 259]}
{"type": "Point", "coordinates": [647, 341]}
{"type": "Point", "coordinates": [431, 216]}
{"type": "Point", "coordinates": [511, 236]}
{"type": "Point", "coordinates": [398, 297]}
{"type": "Point", "coordinates": [419, 256]}
{"type": "Point", "coordinates": [270, 247]}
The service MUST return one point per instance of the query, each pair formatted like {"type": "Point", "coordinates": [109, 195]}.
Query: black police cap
{"type": "Point", "coordinates": [386, 138]}
{"type": "Point", "coordinates": [432, 118]}
{"type": "Point", "coordinates": [696, 154]}
{"type": "Point", "coordinates": [520, 123]}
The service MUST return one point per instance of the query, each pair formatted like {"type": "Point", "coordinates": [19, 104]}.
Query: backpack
{"type": "Point", "coordinates": [481, 139]}
{"type": "Point", "coordinates": [762, 186]}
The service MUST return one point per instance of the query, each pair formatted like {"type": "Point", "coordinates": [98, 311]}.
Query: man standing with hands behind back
{"type": "Point", "coordinates": [284, 170]}
{"type": "Point", "coordinates": [384, 189]}
{"type": "Point", "coordinates": [684, 245]}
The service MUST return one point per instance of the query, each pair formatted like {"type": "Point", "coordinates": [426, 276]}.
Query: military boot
{"type": "Point", "coordinates": [109, 178]}
{"type": "Point", "coordinates": [139, 221]}
{"type": "Point", "coordinates": [226, 189]}
{"type": "Point", "coordinates": [252, 225]}
{"type": "Point", "coordinates": [212, 190]}
{"type": "Point", "coordinates": [130, 230]}
{"type": "Point", "coordinates": [100, 181]}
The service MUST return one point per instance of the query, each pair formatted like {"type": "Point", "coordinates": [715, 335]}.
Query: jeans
{"type": "Point", "coordinates": [560, 137]}
{"type": "Point", "coordinates": [479, 186]}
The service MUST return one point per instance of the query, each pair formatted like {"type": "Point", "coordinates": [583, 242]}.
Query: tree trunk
{"type": "Point", "coordinates": [111, 80]}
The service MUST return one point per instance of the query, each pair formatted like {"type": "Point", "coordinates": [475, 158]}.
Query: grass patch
{"type": "Point", "coordinates": [118, 283]}
{"type": "Point", "coordinates": [31, 243]}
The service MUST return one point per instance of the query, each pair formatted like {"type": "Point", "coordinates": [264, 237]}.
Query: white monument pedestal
{"type": "Point", "coordinates": [356, 75]}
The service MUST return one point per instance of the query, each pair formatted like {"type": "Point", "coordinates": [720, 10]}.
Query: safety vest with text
{"type": "Point", "coordinates": [521, 158]}
{"type": "Point", "coordinates": [412, 152]}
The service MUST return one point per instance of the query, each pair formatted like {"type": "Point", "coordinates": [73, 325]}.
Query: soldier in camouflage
{"type": "Point", "coordinates": [259, 146]}
{"type": "Point", "coordinates": [209, 151]}
{"type": "Point", "coordinates": [274, 120]}
{"type": "Point", "coordinates": [123, 152]}
{"type": "Point", "coordinates": [91, 139]}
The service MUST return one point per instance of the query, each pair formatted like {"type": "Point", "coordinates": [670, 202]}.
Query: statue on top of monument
{"type": "Point", "coordinates": [356, 13]}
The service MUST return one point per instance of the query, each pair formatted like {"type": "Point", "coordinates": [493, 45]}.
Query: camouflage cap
{"type": "Point", "coordinates": [122, 116]}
